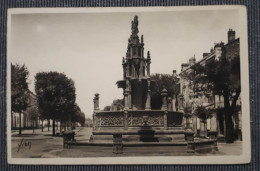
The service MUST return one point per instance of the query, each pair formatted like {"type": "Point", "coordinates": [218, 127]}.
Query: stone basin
{"type": "Point", "coordinates": [135, 118]}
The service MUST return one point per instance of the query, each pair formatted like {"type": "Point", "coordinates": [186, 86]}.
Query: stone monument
{"type": "Point", "coordinates": [135, 124]}
{"type": "Point", "coordinates": [137, 116]}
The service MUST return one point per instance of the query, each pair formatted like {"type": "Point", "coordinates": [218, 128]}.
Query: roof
{"type": "Point", "coordinates": [209, 56]}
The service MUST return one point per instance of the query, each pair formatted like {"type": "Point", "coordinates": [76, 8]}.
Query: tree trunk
{"type": "Point", "coordinates": [57, 126]}
{"type": "Point", "coordinates": [33, 125]}
{"type": "Point", "coordinates": [60, 126]}
{"type": "Point", "coordinates": [20, 123]}
{"type": "Point", "coordinates": [53, 127]}
{"type": "Point", "coordinates": [229, 126]}
{"type": "Point", "coordinates": [206, 129]}
{"type": "Point", "coordinates": [42, 125]}
{"type": "Point", "coordinates": [70, 126]}
{"type": "Point", "coordinates": [48, 125]}
{"type": "Point", "coordinates": [194, 122]}
{"type": "Point", "coordinates": [229, 134]}
{"type": "Point", "coordinates": [24, 121]}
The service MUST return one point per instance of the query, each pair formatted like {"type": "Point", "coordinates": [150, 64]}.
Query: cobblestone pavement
{"type": "Point", "coordinates": [42, 144]}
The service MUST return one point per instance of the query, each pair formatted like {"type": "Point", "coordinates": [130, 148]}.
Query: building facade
{"type": "Point", "coordinates": [26, 121]}
{"type": "Point", "coordinates": [192, 99]}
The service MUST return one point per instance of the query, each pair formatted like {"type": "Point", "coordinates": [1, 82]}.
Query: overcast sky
{"type": "Point", "coordinates": [89, 47]}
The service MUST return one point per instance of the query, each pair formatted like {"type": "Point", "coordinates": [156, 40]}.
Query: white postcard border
{"type": "Point", "coordinates": [245, 157]}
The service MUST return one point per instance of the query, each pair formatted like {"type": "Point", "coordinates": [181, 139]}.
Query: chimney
{"type": "Point", "coordinates": [174, 73]}
{"type": "Point", "coordinates": [211, 50]}
{"type": "Point", "coordinates": [218, 50]}
{"type": "Point", "coordinates": [231, 35]}
{"type": "Point", "coordinates": [184, 66]}
{"type": "Point", "coordinates": [192, 60]}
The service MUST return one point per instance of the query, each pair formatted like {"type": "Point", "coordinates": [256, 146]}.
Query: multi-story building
{"type": "Point", "coordinates": [26, 121]}
{"type": "Point", "coordinates": [190, 98]}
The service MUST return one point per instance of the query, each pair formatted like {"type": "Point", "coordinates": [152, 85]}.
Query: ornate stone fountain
{"type": "Point", "coordinates": [137, 117]}
{"type": "Point", "coordinates": [137, 124]}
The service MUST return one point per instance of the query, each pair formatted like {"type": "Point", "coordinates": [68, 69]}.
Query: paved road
{"type": "Point", "coordinates": [42, 144]}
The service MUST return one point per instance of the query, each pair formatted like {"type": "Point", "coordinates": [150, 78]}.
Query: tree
{"type": "Point", "coordinates": [33, 115]}
{"type": "Point", "coordinates": [193, 77]}
{"type": "Point", "coordinates": [88, 122]}
{"type": "Point", "coordinates": [41, 117]}
{"type": "Point", "coordinates": [56, 95]}
{"type": "Point", "coordinates": [221, 77]}
{"type": "Point", "coordinates": [82, 119]}
{"type": "Point", "coordinates": [79, 117]}
{"type": "Point", "coordinates": [107, 108]}
{"type": "Point", "coordinates": [76, 115]}
{"type": "Point", "coordinates": [19, 90]}
{"type": "Point", "coordinates": [162, 81]}
{"type": "Point", "coordinates": [203, 113]}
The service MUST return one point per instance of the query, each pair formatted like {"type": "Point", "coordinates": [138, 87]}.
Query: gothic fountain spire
{"type": "Point", "coordinates": [134, 36]}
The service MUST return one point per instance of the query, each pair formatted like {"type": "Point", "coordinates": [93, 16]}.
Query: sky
{"type": "Point", "coordinates": [88, 47]}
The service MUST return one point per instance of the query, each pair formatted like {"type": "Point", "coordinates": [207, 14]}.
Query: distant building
{"type": "Point", "coordinates": [209, 100]}
{"type": "Point", "coordinates": [26, 122]}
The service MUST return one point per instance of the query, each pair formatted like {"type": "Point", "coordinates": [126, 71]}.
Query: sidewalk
{"type": "Point", "coordinates": [38, 134]}
{"type": "Point", "coordinates": [42, 144]}
{"type": "Point", "coordinates": [230, 149]}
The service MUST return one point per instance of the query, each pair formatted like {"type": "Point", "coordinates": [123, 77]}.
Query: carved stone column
{"type": "Point", "coordinates": [165, 125]}
{"type": "Point", "coordinates": [133, 72]}
{"type": "Point", "coordinates": [129, 99]}
{"type": "Point", "coordinates": [129, 91]}
{"type": "Point", "coordinates": [181, 107]}
{"type": "Point", "coordinates": [148, 99]}
{"type": "Point", "coordinates": [189, 137]}
{"type": "Point", "coordinates": [164, 94]}
{"type": "Point", "coordinates": [173, 104]}
{"type": "Point", "coordinates": [127, 70]}
{"type": "Point", "coordinates": [94, 121]}
{"type": "Point", "coordinates": [142, 52]}
{"type": "Point", "coordinates": [96, 102]}
{"type": "Point", "coordinates": [164, 107]}
{"type": "Point", "coordinates": [126, 99]}
{"type": "Point", "coordinates": [148, 63]}
{"type": "Point", "coordinates": [96, 109]}
{"type": "Point", "coordinates": [117, 143]}
{"type": "Point", "coordinates": [126, 119]}
{"type": "Point", "coordinates": [141, 74]}
{"type": "Point", "coordinates": [169, 103]}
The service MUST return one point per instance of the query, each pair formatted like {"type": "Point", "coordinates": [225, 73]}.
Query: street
{"type": "Point", "coordinates": [44, 145]}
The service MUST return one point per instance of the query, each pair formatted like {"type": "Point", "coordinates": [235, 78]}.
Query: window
{"type": "Point", "coordinates": [211, 99]}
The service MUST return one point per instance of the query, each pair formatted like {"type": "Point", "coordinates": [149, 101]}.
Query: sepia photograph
{"type": "Point", "coordinates": [154, 85]}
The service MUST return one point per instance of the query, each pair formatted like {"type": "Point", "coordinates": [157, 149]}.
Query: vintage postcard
{"type": "Point", "coordinates": [153, 85]}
